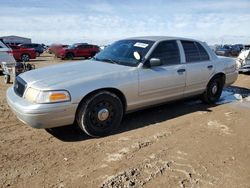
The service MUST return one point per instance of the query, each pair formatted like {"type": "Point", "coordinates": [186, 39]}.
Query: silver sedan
{"type": "Point", "coordinates": [128, 75]}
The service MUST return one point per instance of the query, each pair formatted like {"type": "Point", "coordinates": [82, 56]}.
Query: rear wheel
{"type": "Point", "coordinates": [37, 54]}
{"type": "Point", "coordinates": [213, 91]}
{"type": "Point", "coordinates": [69, 56]}
{"type": "Point", "coordinates": [25, 57]}
{"type": "Point", "coordinates": [93, 54]}
{"type": "Point", "coordinates": [99, 114]}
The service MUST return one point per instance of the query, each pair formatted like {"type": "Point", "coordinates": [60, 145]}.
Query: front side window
{"type": "Point", "coordinates": [167, 52]}
{"type": "Point", "coordinates": [122, 52]}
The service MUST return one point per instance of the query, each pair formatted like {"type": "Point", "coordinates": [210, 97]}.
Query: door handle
{"type": "Point", "coordinates": [181, 70]}
{"type": "Point", "coordinates": [210, 66]}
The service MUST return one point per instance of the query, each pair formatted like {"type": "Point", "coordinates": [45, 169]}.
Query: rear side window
{"type": "Point", "coordinates": [194, 51]}
{"type": "Point", "coordinates": [84, 46]}
{"type": "Point", "coordinates": [203, 53]}
{"type": "Point", "coordinates": [167, 52]}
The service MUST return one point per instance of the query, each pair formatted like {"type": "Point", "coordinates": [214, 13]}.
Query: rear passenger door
{"type": "Point", "coordinates": [198, 66]}
{"type": "Point", "coordinates": [166, 81]}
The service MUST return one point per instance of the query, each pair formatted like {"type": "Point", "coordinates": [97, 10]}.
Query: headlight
{"type": "Point", "coordinates": [37, 96]}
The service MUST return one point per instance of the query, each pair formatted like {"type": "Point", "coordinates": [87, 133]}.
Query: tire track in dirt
{"type": "Point", "coordinates": [153, 167]}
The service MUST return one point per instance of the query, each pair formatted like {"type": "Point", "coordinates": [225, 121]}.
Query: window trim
{"type": "Point", "coordinates": [180, 58]}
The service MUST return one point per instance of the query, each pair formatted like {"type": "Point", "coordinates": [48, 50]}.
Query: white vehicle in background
{"type": "Point", "coordinates": [7, 61]}
{"type": "Point", "coordinates": [5, 55]}
{"type": "Point", "coordinates": [243, 61]}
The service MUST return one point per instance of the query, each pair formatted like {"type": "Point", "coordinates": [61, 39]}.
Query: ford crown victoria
{"type": "Point", "coordinates": [128, 75]}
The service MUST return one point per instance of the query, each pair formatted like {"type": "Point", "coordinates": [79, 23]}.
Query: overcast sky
{"type": "Point", "coordinates": [101, 22]}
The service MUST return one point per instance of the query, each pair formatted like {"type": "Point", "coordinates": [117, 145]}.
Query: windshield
{"type": "Point", "coordinates": [122, 52]}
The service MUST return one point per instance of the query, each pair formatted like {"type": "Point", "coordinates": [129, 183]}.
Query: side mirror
{"type": "Point", "coordinates": [155, 62]}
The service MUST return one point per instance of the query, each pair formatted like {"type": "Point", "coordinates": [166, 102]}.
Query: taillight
{"type": "Point", "coordinates": [10, 52]}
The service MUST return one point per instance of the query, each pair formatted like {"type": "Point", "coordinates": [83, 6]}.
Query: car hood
{"type": "Point", "coordinates": [67, 73]}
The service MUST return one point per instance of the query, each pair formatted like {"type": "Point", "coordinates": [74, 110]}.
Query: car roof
{"type": "Point", "coordinates": [79, 43]}
{"type": "Point", "coordinates": [159, 38]}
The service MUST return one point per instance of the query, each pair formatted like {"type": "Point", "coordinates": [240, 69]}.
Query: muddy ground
{"type": "Point", "coordinates": [182, 144]}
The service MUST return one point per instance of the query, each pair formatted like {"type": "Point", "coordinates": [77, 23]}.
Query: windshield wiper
{"type": "Point", "coordinates": [109, 61]}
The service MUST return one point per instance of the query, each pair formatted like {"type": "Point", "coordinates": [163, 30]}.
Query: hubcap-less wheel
{"type": "Point", "coordinates": [99, 114]}
{"type": "Point", "coordinates": [213, 91]}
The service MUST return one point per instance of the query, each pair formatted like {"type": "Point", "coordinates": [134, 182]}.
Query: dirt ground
{"type": "Point", "coordinates": [182, 144]}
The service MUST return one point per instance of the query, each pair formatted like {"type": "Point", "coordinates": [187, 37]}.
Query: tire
{"type": "Point", "coordinates": [69, 56]}
{"type": "Point", "coordinates": [93, 54]}
{"type": "Point", "coordinates": [100, 114]}
{"type": "Point", "coordinates": [6, 79]}
{"type": "Point", "coordinates": [37, 54]}
{"type": "Point", "coordinates": [25, 57]}
{"type": "Point", "coordinates": [213, 90]}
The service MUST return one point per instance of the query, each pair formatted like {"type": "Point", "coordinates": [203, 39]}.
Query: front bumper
{"type": "Point", "coordinates": [41, 115]}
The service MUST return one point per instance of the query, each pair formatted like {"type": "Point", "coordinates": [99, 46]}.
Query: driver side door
{"type": "Point", "coordinates": [166, 81]}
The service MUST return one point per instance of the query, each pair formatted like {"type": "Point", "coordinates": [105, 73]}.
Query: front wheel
{"type": "Point", "coordinates": [37, 54]}
{"type": "Point", "coordinates": [213, 91]}
{"type": "Point", "coordinates": [99, 114]}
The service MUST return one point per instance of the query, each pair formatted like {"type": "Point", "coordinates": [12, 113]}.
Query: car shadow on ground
{"type": "Point", "coordinates": [36, 60]}
{"type": "Point", "coordinates": [148, 117]}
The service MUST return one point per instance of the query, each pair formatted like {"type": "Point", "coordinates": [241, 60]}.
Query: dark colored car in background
{"type": "Point", "coordinates": [228, 50]}
{"type": "Point", "coordinates": [78, 50]}
{"type": "Point", "coordinates": [23, 54]}
{"type": "Point", "coordinates": [223, 50]}
{"type": "Point", "coordinates": [38, 48]}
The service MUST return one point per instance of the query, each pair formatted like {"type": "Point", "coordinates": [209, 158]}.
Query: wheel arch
{"type": "Point", "coordinates": [219, 74]}
{"type": "Point", "coordinates": [70, 53]}
{"type": "Point", "coordinates": [115, 91]}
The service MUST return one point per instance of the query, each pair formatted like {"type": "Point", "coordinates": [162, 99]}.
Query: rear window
{"type": "Point", "coordinates": [194, 51]}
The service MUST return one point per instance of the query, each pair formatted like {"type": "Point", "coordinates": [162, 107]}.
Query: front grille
{"type": "Point", "coordinates": [19, 86]}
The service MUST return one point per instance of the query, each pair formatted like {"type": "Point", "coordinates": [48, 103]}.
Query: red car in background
{"type": "Point", "coordinates": [54, 48]}
{"type": "Point", "coordinates": [78, 50]}
{"type": "Point", "coordinates": [23, 54]}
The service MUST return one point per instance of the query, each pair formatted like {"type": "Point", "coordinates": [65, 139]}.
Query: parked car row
{"type": "Point", "coordinates": [76, 50]}
{"type": "Point", "coordinates": [228, 50]}
{"type": "Point", "coordinates": [8, 57]}
{"type": "Point", "coordinates": [21, 53]}
{"type": "Point", "coordinates": [39, 49]}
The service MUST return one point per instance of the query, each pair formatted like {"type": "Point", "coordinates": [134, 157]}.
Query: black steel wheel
{"type": "Point", "coordinates": [213, 90]}
{"type": "Point", "coordinates": [99, 114]}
